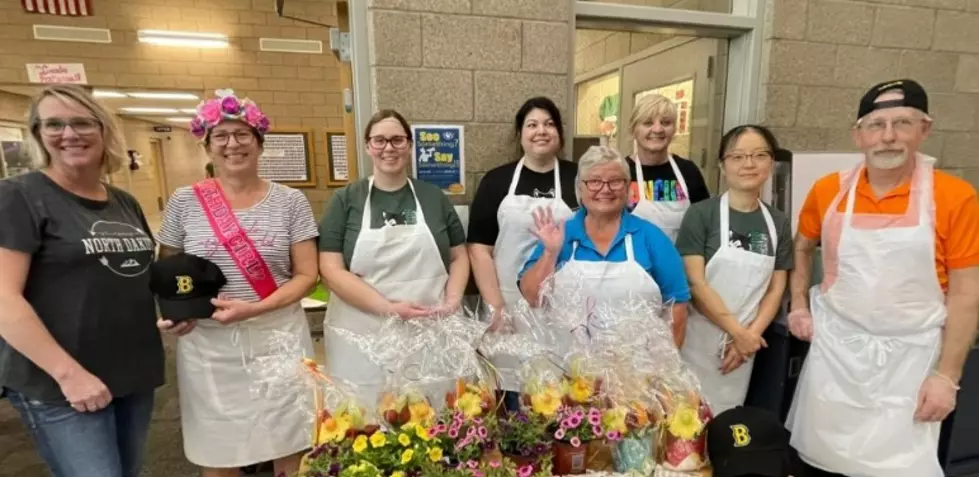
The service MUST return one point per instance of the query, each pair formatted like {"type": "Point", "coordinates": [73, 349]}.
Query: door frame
{"type": "Point", "coordinates": [157, 153]}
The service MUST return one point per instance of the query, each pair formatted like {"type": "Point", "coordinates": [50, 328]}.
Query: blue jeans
{"type": "Point", "coordinates": [107, 443]}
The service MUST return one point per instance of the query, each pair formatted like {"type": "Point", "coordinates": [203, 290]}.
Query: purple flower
{"type": "Point", "coordinates": [263, 124]}
{"type": "Point", "coordinates": [197, 127]}
{"type": "Point", "coordinates": [230, 105]}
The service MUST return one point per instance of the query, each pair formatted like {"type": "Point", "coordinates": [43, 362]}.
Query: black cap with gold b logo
{"type": "Point", "coordinates": [746, 441]}
{"type": "Point", "coordinates": [184, 285]}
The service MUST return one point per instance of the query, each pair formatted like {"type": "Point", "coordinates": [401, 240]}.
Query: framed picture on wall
{"type": "Point", "coordinates": [13, 155]}
{"type": "Point", "coordinates": [342, 168]}
{"type": "Point", "coordinates": [288, 157]}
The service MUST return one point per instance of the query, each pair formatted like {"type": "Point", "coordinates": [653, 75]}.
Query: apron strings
{"type": "Point", "coordinates": [236, 342]}
{"type": "Point", "coordinates": [879, 348]}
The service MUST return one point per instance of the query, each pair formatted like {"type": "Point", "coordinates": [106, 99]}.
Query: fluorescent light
{"type": "Point", "coordinates": [179, 120]}
{"type": "Point", "coordinates": [102, 93]}
{"type": "Point", "coordinates": [154, 95]}
{"type": "Point", "coordinates": [142, 110]}
{"type": "Point", "coordinates": [188, 110]}
{"type": "Point", "coordinates": [183, 38]}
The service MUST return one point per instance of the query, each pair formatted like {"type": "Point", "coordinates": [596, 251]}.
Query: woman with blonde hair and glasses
{"type": "Point", "coordinates": [603, 249]}
{"type": "Point", "coordinates": [389, 246]}
{"type": "Point", "coordinates": [663, 184]}
{"type": "Point", "coordinates": [262, 235]}
{"type": "Point", "coordinates": [80, 356]}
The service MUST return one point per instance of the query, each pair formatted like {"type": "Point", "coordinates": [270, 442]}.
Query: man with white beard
{"type": "Point", "coordinates": [893, 321]}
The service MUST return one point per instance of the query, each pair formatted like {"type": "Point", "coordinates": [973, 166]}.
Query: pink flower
{"type": "Point", "coordinates": [559, 434]}
{"type": "Point", "coordinates": [472, 464]}
{"type": "Point", "coordinates": [483, 432]}
{"type": "Point", "coordinates": [525, 471]}
{"type": "Point", "coordinates": [230, 105]}
{"type": "Point", "coordinates": [495, 464]}
{"type": "Point", "coordinates": [575, 421]}
{"type": "Point", "coordinates": [453, 433]}
{"type": "Point", "coordinates": [471, 432]}
{"type": "Point", "coordinates": [575, 442]}
{"type": "Point", "coordinates": [197, 127]}
{"type": "Point", "coordinates": [210, 112]}
{"type": "Point", "coordinates": [594, 419]}
{"type": "Point", "coordinates": [263, 124]}
{"type": "Point", "coordinates": [566, 424]}
{"type": "Point", "coordinates": [580, 414]}
{"type": "Point", "coordinates": [252, 114]}
{"type": "Point", "coordinates": [597, 430]}
{"type": "Point", "coordinates": [614, 435]}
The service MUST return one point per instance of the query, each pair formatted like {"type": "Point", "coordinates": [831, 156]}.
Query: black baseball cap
{"type": "Point", "coordinates": [914, 97]}
{"type": "Point", "coordinates": [184, 285]}
{"type": "Point", "coordinates": [746, 441]}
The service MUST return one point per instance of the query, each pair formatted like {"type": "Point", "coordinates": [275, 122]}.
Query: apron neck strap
{"type": "Point", "coordinates": [630, 253]}
{"type": "Point", "coordinates": [920, 191]}
{"type": "Point", "coordinates": [726, 222]}
{"type": "Point", "coordinates": [516, 177]}
{"type": "Point", "coordinates": [641, 179]}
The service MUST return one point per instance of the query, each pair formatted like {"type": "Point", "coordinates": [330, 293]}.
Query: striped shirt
{"type": "Point", "coordinates": [281, 219]}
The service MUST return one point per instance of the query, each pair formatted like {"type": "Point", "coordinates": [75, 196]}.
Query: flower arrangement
{"type": "Point", "coordinates": [407, 407]}
{"type": "Point", "coordinates": [346, 420]}
{"type": "Point", "coordinates": [464, 439]}
{"type": "Point", "coordinates": [226, 106]}
{"type": "Point", "coordinates": [525, 439]}
{"type": "Point", "coordinates": [493, 468]}
{"type": "Point", "coordinates": [578, 425]}
{"type": "Point", "coordinates": [579, 387]}
{"type": "Point", "coordinates": [683, 444]}
{"type": "Point", "coordinates": [400, 453]}
{"type": "Point", "coordinates": [471, 398]}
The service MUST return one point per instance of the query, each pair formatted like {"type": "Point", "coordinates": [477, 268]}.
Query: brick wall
{"type": "Point", "coordinates": [821, 56]}
{"type": "Point", "coordinates": [13, 107]}
{"type": "Point", "coordinates": [295, 90]}
{"type": "Point", "coordinates": [472, 62]}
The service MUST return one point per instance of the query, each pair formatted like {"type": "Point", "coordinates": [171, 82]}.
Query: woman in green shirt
{"type": "Point", "coordinates": [389, 246]}
{"type": "Point", "coordinates": [737, 251]}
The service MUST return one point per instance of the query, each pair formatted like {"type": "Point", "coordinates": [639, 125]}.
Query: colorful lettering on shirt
{"type": "Point", "coordinates": [658, 190]}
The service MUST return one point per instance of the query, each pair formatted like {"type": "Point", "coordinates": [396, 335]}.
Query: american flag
{"type": "Point", "coordinates": [71, 8]}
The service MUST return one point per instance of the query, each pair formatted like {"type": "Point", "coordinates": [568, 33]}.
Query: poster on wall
{"type": "Point", "coordinates": [681, 93]}
{"type": "Point", "coordinates": [56, 73]}
{"type": "Point", "coordinates": [287, 158]}
{"type": "Point", "coordinates": [13, 156]}
{"type": "Point", "coordinates": [438, 156]}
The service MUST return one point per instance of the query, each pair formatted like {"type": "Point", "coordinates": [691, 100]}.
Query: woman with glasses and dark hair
{"type": "Point", "coordinates": [737, 251]}
{"type": "Point", "coordinates": [389, 246]}
{"type": "Point", "coordinates": [603, 250]}
{"type": "Point", "coordinates": [262, 235]}
{"type": "Point", "coordinates": [500, 218]}
{"type": "Point", "coordinates": [80, 356]}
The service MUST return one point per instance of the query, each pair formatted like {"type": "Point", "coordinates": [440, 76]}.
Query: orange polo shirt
{"type": "Point", "coordinates": [956, 216]}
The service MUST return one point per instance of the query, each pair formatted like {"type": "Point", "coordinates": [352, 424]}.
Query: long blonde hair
{"type": "Point", "coordinates": [113, 143]}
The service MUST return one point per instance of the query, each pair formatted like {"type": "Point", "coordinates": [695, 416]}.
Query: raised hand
{"type": "Point", "coordinates": [549, 232]}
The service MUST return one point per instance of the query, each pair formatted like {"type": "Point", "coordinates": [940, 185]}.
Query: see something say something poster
{"type": "Point", "coordinates": [438, 157]}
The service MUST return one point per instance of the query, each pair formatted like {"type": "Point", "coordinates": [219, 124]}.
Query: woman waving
{"type": "Point", "coordinates": [737, 252]}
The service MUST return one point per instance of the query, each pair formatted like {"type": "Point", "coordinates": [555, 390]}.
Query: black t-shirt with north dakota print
{"type": "Point", "coordinates": [88, 282]}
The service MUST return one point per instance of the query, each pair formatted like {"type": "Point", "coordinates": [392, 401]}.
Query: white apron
{"type": "Point", "coordinates": [225, 423]}
{"type": "Point", "coordinates": [513, 247]}
{"type": "Point", "coordinates": [741, 279]}
{"type": "Point", "coordinates": [401, 262]}
{"type": "Point", "coordinates": [877, 333]}
{"type": "Point", "coordinates": [606, 283]}
{"type": "Point", "coordinates": [666, 215]}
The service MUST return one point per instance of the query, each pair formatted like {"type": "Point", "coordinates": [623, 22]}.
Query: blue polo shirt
{"type": "Point", "coordinates": [654, 252]}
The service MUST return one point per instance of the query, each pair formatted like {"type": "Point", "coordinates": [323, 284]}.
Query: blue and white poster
{"type": "Point", "coordinates": [438, 157]}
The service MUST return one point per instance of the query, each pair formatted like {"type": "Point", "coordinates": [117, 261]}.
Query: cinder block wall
{"type": "Point", "coordinates": [821, 56]}
{"type": "Point", "coordinates": [295, 90]}
{"type": "Point", "coordinates": [472, 62]}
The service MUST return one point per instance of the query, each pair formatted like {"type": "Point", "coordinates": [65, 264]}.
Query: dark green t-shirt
{"type": "Point", "coordinates": [340, 225]}
{"type": "Point", "coordinates": [700, 232]}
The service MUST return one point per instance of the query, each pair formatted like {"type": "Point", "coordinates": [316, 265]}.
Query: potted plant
{"type": "Point", "coordinates": [683, 441]}
{"type": "Point", "coordinates": [633, 431]}
{"type": "Point", "coordinates": [463, 439]}
{"type": "Point", "coordinates": [576, 426]}
{"type": "Point", "coordinates": [525, 440]}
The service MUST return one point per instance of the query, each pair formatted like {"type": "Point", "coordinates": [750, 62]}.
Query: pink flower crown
{"type": "Point", "coordinates": [226, 107]}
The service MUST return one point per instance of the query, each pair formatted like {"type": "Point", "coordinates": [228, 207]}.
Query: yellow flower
{"type": "Point", "coordinates": [360, 443]}
{"type": "Point", "coordinates": [685, 423]}
{"type": "Point", "coordinates": [581, 389]}
{"type": "Point", "coordinates": [407, 456]}
{"type": "Point", "coordinates": [614, 420]}
{"type": "Point", "coordinates": [378, 439]}
{"type": "Point", "coordinates": [422, 433]}
{"type": "Point", "coordinates": [546, 403]}
{"type": "Point", "coordinates": [333, 430]}
{"type": "Point", "coordinates": [470, 404]}
{"type": "Point", "coordinates": [435, 454]}
{"type": "Point", "coordinates": [404, 440]}
{"type": "Point", "coordinates": [421, 413]}
{"type": "Point", "coordinates": [397, 473]}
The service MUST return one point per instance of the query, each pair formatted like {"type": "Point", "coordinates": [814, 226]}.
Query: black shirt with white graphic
{"type": "Point", "coordinates": [88, 282]}
{"type": "Point", "coordinates": [483, 226]}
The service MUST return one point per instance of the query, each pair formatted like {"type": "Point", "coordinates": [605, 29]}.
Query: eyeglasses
{"type": "Point", "coordinates": [243, 138]}
{"type": "Point", "coordinates": [614, 185]}
{"type": "Point", "coordinates": [380, 142]}
{"type": "Point", "coordinates": [899, 125]}
{"type": "Point", "coordinates": [740, 157]}
{"type": "Point", "coordinates": [82, 126]}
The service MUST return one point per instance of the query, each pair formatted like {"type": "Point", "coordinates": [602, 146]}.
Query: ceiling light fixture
{"type": "Point", "coordinates": [102, 93]}
{"type": "Point", "coordinates": [183, 38]}
{"type": "Point", "coordinates": [142, 110]}
{"type": "Point", "coordinates": [188, 110]}
{"type": "Point", "coordinates": [155, 95]}
{"type": "Point", "coordinates": [179, 120]}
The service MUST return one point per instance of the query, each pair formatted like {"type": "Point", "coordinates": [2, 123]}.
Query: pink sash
{"type": "Point", "coordinates": [234, 239]}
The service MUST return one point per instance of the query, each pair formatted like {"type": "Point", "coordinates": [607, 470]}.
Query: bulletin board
{"type": "Point", "coordinates": [288, 157]}
{"type": "Point", "coordinates": [342, 169]}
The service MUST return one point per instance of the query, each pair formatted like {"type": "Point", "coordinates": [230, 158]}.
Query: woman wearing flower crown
{"type": "Point", "coordinates": [262, 235]}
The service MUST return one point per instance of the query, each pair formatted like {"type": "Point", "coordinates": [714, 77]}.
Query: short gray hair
{"type": "Point", "coordinates": [599, 156]}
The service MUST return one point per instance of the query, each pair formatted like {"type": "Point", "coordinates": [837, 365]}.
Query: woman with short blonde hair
{"type": "Point", "coordinates": [666, 184]}
{"type": "Point", "coordinates": [80, 356]}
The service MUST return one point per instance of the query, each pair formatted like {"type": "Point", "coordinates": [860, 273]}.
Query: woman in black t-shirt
{"type": "Point", "coordinates": [501, 220]}
{"type": "Point", "coordinates": [80, 355]}
{"type": "Point", "coordinates": [666, 184]}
